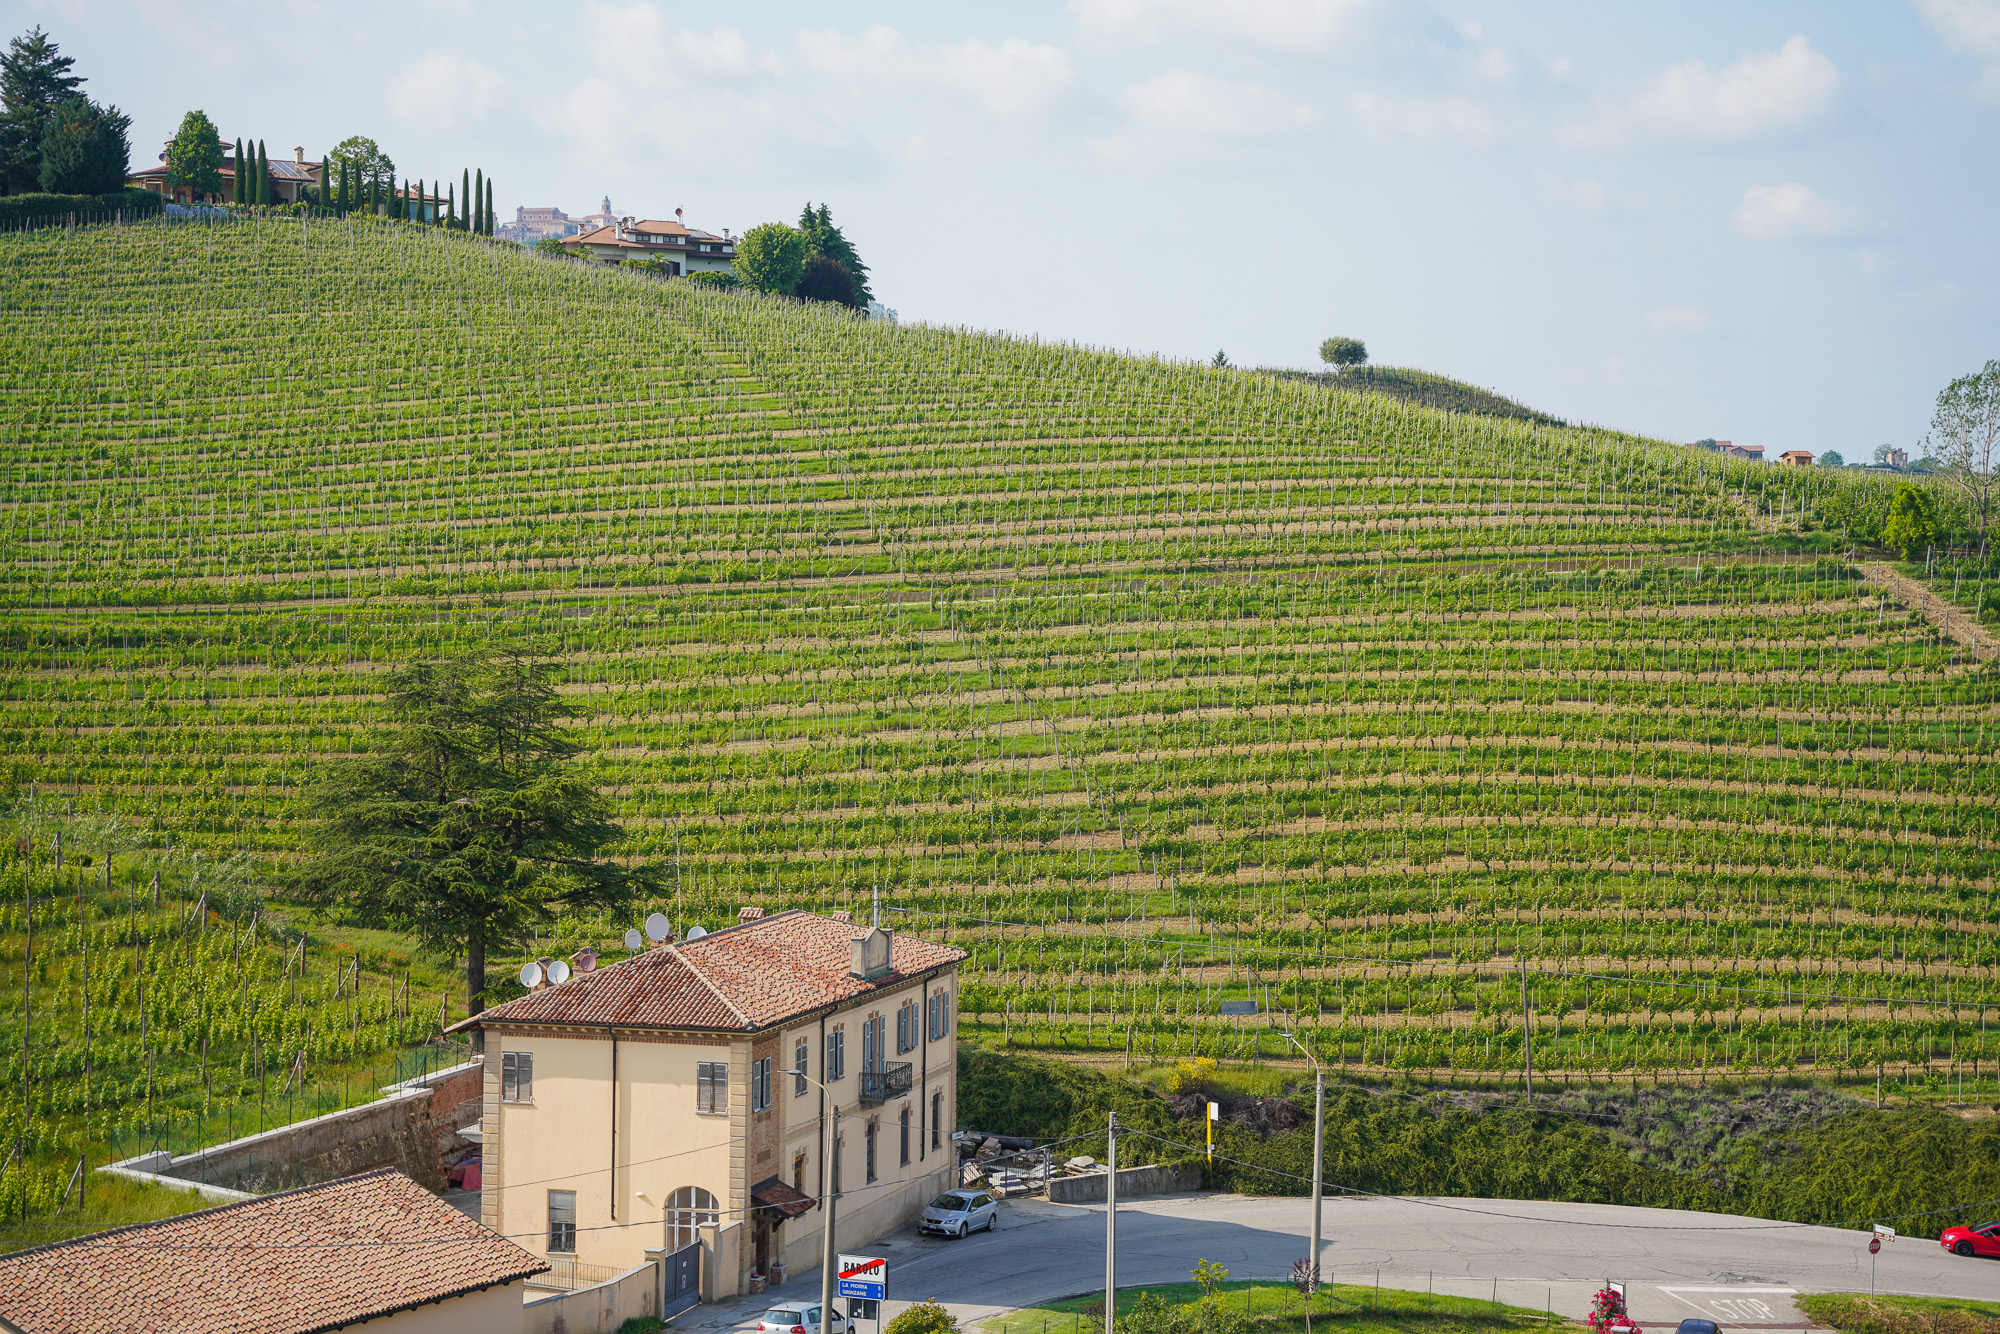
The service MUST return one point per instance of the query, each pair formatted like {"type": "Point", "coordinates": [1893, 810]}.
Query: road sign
{"type": "Point", "coordinates": [1874, 1245]}
{"type": "Point", "coordinates": [864, 1276]}
{"type": "Point", "coordinates": [1888, 1232]}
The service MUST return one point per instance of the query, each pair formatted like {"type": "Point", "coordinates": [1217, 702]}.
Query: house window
{"type": "Point", "coordinates": [517, 1076]}
{"type": "Point", "coordinates": [937, 1120]}
{"type": "Point", "coordinates": [711, 1088]}
{"type": "Point", "coordinates": [836, 1055]}
{"type": "Point", "coordinates": [690, 1209]}
{"type": "Point", "coordinates": [907, 1031]}
{"type": "Point", "coordinates": [799, 1172]}
{"type": "Point", "coordinates": [906, 1137]}
{"type": "Point", "coordinates": [799, 1054]}
{"type": "Point", "coordinates": [760, 1085]}
{"type": "Point", "coordinates": [871, 1044]}
{"type": "Point", "coordinates": [562, 1222]}
{"type": "Point", "coordinates": [940, 1015]}
{"type": "Point", "coordinates": [868, 1139]}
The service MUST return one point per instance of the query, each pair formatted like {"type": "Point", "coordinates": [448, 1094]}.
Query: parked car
{"type": "Point", "coordinates": [798, 1320]}
{"type": "Point", "coordinates": [957, 1212]}
{"type": "Point", "coordinates": [1981, 1240]}
{"type": "Point", "coordinates": [1694, 1326]}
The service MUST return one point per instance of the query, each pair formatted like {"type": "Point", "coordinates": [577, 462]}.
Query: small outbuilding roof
{"type": "Point", "coordinates": [320, 1258]}
{"type": "Point", "coordinates": [763, 973]}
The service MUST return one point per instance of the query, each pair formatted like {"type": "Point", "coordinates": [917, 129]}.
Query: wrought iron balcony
{"type": "Point", "coordinates": [892, 1080]}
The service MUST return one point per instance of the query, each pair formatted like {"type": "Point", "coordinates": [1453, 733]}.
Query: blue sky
{"type": "Point", "coordinates": [1772, 223]}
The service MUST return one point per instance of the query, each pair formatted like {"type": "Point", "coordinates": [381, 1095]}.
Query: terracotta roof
{"type": "Point", "coordinates": [306, 1260]}
{"type": "Point", "coordinates": [743, 979]}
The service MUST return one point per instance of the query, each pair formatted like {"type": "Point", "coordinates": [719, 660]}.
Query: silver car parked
{"type": "Point", "coordinates": [957, 1212]}
{"type": "Point", "coordinates": [801, 1319]}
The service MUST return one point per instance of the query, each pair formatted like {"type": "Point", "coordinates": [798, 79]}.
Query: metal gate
{"type": "Point", "coordinates": [681, 1279]}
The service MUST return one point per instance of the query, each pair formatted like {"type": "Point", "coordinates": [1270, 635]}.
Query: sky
{"type": "Point", "coordinates": [1770, 223]}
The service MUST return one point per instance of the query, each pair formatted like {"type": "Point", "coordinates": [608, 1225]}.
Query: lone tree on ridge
{"type": "Point", "coordinates": [1344, 352]}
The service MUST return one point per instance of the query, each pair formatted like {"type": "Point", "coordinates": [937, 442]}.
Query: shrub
{"type": "Point", "coordinates": [29, 208]}
{"type": "Point", "coordinates": [926, 1317]}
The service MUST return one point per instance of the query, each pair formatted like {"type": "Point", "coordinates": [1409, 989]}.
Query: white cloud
{"type": "Point", "coordinates": [1789, 211]}
{"type": "Point", "coordinates": [443, 89]}
{"type": "Point", "coordinates": [1679, 320]}
{"type": "Point", "coordinates": [1448, 122]}
{"type": "Point", "coordinates": [639, 47]}
{"type": "Point", "coordinates": [1764, 95]}
{"type": "Point", "coordinates": [1198, 104]}
{"type": "Point", "coordinates": [1288, 24]}
{"type": "Point", "coordinates": [1014, 77]}
{"type": "Point", "coordinates": [1973, 27]}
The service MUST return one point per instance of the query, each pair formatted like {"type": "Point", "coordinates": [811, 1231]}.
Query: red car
{"type": "Point", "coordinates": [1981, 1240]}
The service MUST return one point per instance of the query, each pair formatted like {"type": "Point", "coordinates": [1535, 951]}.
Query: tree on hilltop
{"type": "Point", "coordinates": [467, 824]}
{"type": "Point", "coordinates": [1912, 522]}
{"type": "Point", "coordinates": [34, 81]}
{"type": "Point", "coordinates": [1344, 352]}
{"type": "Point", "coordinates": [823, 238]}
{"type": "Point", "coordinates": [87, 149]}
{"type": "Point", "coordinates": [825, 278]}
{"type": "Point", "coordinates": [362, 162]}
{"type": "Point", "coordinates": [1965, 430]}
{"type": "Point", "coordinates": [771, 257]}
{"type": "Point", "coordinates": [194, 158]}
{"type": "Point", "coordinates": [1831, 459]}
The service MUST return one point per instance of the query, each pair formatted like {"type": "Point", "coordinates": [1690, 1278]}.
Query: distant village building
{"type": "Point", "coordinates": [1899, 458]}
{"type": "Point", "coordinates": [685, 249]}
{"type": "Point", "coordinates": [1796, 458]}
{"type": "Point", "coordinates": [1753, 452]}
{"type": "Point", "coordinates": [288, 179]}
{"type": "Point", "coordinates": [375, 1248]}
{"type": "Point", "coordinates": [604, 217]}
{"type": "Point", "coordinates": [534, 224]}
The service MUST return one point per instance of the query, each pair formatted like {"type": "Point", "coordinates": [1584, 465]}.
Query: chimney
{"type": "Point", "coordinates": [748, 915]}
{"type": "Point", "coordinates": [299, 155]}
{"type": "Point", "coordinates": [869, 954]}
{"type": "Point", "coordinates": [544, 961]}
{"type": "Point", "coordinates": [842, 916]}
{"type": "Point", "coordinates": [584, 960]}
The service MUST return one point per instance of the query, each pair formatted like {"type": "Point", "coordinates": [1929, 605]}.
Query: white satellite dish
{"type": "Point", "coordinates": [658, 928]}
{"type": "Point", "coordinates": [632, 940]}
{"type": "Point", "coordinates": [531, 974]}
{"type": "Point", "coordinates": [697, 932]}
{"type": "Point", "coordinates": [558, 973]}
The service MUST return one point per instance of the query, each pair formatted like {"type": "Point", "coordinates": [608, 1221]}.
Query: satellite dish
{"type": "Point", "coordinates": [697, 932]}
{"type": "Point", "coordinates": [558, 973]}
{"type": "Point", "coordinates": [531, 974]}
{"type": "Point", "coordinates": [658, 928]}
{"type": "Point", "coordinates": [631, 940]}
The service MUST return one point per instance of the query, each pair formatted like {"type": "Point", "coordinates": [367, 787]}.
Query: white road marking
{"type": "Point", "coordinates": [1742, 1305]}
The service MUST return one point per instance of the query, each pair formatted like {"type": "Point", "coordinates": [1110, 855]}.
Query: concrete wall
{"type": "Point", "coordinates": [410, 1129]}
{"type": "Point", "coordinates": [1160, 1180]}
{"type": "Point", "coordinates": [599, 1309]}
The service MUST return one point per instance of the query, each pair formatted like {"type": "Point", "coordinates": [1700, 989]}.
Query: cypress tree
{"type": "Point", "coordinates": [375, 194]}
{"type": "Point", "coordinates": [450, 208]}
{"type": "Point", "coordinates": [491, 216]}
{"type": "Point", "coordinates": [236, 175]}
{"type": "Point", "coordinates": [479, 201]}
{"type": "Point", "coordinates": [263, 175]}
{"type": "Point", "coordinates": [465, 193]}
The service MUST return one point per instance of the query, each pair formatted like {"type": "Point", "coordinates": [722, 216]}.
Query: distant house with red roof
{"type": "Point", "coordinates": [377, 1248]}
{"type": "Point", "coordinates": [685, 249]}
{"type": "Point", "coordinates": [655, 1099]}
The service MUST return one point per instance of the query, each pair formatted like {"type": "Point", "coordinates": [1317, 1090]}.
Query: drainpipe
{"type": "Point", "coordinates": [612, 1033]}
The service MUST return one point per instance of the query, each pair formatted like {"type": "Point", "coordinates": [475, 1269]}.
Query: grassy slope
{"type": "Point", "coordinates": [1857, 1313]}
{"type": "Point", "coordinates": [1016, 633]}
{"type": "Point", "coordinates": [1251, 1307]}
{"type": "Point", "coordinates": [1420, 387]}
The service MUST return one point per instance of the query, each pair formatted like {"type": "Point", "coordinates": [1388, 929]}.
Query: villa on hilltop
{"type": "Point", "coordinates": [685, 249]}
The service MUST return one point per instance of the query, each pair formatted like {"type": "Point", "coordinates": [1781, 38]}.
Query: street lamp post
{"type": "Point", "coordinates": [828, 1125]}
{"type": "Point", "coordinates": [1319, 1148]}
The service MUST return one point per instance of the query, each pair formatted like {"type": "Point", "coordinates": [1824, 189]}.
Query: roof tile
{"type": "Point", "coordinates": [305, 1260]}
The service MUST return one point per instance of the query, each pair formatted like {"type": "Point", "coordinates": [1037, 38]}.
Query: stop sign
{"type": "Point", "coordinates": [1874, 1245]}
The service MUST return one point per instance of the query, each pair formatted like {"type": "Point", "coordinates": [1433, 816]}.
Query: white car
{"type": "Point", "coordinates": [957, 1212]}
{"type": "Point", "coordinates": [798, 1320]}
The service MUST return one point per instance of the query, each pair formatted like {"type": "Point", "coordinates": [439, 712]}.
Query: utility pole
{"type": "Point", "coordinates": [1111, 1230]}
{"type": "Point", "coordinates": [829, 1132]}
{"type": "Point", "coordinates": [1527, 1033]}
{"type": "Point", "coordinates": [1319, 1155]}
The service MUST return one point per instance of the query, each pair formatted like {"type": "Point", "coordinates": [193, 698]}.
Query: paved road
{"type": "Point", "coordinates": [1741, 1272]}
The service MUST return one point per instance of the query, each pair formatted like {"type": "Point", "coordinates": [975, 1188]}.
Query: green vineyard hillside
{"type": "Point", "coordinates": [1154, 685]}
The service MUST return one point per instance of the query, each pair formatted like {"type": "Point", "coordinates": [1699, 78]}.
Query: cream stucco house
{"type": "Point", "coordinates": [639, 1107]}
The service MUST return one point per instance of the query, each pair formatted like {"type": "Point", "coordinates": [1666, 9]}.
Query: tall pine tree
{"type": "Point", "coordinates": [236, 175]}
{"type": "Point", "coordinates": [34, 81]}
{"type": "Point", "coordinates": [263, 176]}
{"type": "Point", "coordinates": [479, 201]}
{"type": "Point", "coordinates": [465, 193]}
{"type": "Point", "coordinates": [823, 238]}
{"type": "Point", "coordinates": [450, 208]}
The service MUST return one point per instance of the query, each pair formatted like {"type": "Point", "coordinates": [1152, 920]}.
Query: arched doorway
{"type": "Point", "coordinates": [690, 1209]}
